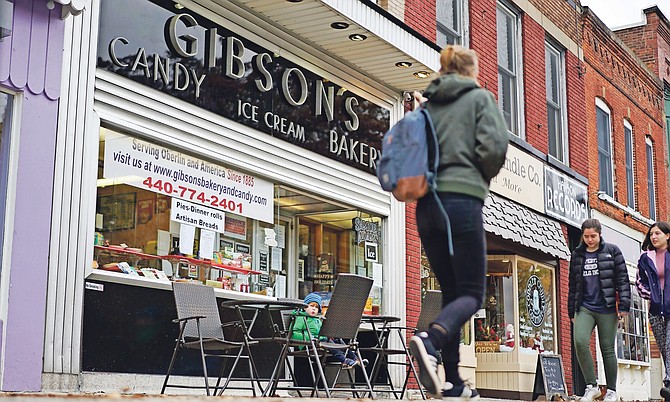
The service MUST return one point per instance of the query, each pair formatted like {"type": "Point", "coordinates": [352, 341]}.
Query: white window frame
{"type": "Point", "coordinates": [515, 121]}
{"type": "Point", "coordinates": [651, 182]}
{"type": "Point", "coordinates": [561, 126]}
{"type": "Point", "coordinates": [629, 144]}
{"type": "Point", "coordinates": [443, 30]}
{"type": "Point", "coordinates": [644, 327]}
{"type": "Point", "coordinates": [605, 109]}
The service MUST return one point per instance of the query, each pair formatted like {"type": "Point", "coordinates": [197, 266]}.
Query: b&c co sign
{"type": "Point", "coordinates": [565, 198]}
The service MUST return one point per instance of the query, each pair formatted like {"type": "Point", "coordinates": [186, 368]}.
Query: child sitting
{"type": "Point", "coordinates": [308, 324]}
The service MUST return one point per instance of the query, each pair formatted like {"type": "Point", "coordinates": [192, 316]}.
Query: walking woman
{"type": "Point", "coordinates": [473, 142]}
{"type": "Point", "coordinates": [597, 273]}
{"type": "Point", "coordinates": [652, 278]}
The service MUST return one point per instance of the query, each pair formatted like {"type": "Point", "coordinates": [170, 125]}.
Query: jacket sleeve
{"type": "Point", "coordinates": [622, 281]}
{"type": "Point", "coordinates": [642, 281]}
{"type": "Point", "coordinates": [491, 137]}
{"type": "Point", "coordinates": [571, 287]}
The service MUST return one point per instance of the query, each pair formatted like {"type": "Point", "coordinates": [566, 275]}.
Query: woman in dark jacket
{"type": "Point", "coordinates": [653, 276]}
{"type": "Point", "coordinates": [597, 273]}
{"type": "Point", "coordinates": [473, 142]}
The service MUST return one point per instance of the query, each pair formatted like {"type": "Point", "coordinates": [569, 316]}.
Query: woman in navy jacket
{"type": "Point", "coordinates": [653, 277]}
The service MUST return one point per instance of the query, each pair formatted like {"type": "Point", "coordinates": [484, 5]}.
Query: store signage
{"type": "Point", "coordinates": [366, 231]}
{"type": "Point", "coordinates": [521, 179]}
{"type": "Point", "coordinates": [536, 302]}
{"type": "Point", "coordinates": [566, 198]}
{"type": "Point", "coordinates": [196, 215]}
{"type": "Point", "coordinates": [163, 170]}
{"type": "Point", "coordinates": [371, 252]}
{"type": "Point", "coordinates": [189, 57]}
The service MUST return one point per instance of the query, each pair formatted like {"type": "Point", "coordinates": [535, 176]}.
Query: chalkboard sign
{"type": "Point", "coordinates": [549, 378]}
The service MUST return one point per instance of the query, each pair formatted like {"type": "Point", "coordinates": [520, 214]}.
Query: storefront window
{"type": "Point", "coordinates": [429, 282]}
{"type": "Point", "coordinates": [494, 323]}
{"type": "Point", "coordinates": [164, 214]}
{"type": "Point", "coordinates": [632, 339]}
{"type": "Point", "coordinates": [511, 281]}
{"type": "Point", "coordinates": [536, 307]}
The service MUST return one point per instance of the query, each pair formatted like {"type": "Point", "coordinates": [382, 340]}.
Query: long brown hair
{"type": "Point", "coordinates": [665, 228]}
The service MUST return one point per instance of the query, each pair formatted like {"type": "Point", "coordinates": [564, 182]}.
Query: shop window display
{"type": "Point", "coordinates": [514, 280]}
{"type": "Point", "coordinates": [429, 282]}
{"type": "Point", "coordinates": [632, 337]}
{"type": "Point", "coordinates": [164, 214]}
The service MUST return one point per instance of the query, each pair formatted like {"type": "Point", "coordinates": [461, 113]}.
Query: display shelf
{"type": "Point", "coordinates": [123, 251]}
{"type": "Point", "coordinates": [208, 263]}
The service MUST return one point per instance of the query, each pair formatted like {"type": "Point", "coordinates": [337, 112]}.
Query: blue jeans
{"type": "Point", "coordinates": [462, 277]}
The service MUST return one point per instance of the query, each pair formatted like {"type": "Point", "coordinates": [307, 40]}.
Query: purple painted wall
{"type": "Point", "coordinates": [31, 63]}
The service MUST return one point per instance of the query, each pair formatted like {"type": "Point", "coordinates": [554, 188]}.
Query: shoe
{"type": "Point", "coordinates": [592, 392]}
{"type": "Point", "coordinates": [459, 392]}
{"type": "Point", "coordinates": [350, 363]}
{"type": "Point", "coordinates": [665, 393]}
{"type": "Point", "coordinates": [610, 396]}
{"type": "Point", "coordinates": [426, 357]}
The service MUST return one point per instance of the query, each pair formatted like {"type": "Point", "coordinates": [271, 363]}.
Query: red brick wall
{"type": "Point", "coordinates": [420, 16]}
{"type": "Point", "coordinates": [412, 266]}
{"type": "Point", "coordinates": [634, 95]}
{"type": "Point", "coordinates": [535, 88]}
{"type": "Point", "coordinates": [483, 41]}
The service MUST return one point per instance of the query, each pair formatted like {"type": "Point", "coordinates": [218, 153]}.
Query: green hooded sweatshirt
{"type": "Point", "coordinates": [471, 131]}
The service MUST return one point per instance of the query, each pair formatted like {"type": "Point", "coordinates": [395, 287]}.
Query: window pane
{"type": "Point", "coordinates": [447, 14]}
{"type": "Point", "coordinates": [650, 182]}
{"type": "Point", "coordinates": [536, 306]}
{"type": "Point", "coordinates": [630, 189]}
{"type": "Point", "coordinates": [494, 323]}
{"type": "Point", "coordinates": [604, 152]}
{"type": "Point", "coordinates": [555, 132]}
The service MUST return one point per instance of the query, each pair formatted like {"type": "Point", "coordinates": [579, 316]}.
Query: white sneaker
{"type": "Point", "coordinates": [610, 396]}
{"type": "Point", "coordinates": [591, 393]}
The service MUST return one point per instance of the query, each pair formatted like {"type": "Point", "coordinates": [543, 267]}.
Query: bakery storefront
{"type": "Point", "coordinates": [229, 153]}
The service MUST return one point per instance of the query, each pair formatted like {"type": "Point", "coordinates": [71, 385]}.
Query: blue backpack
{"type": "Point", "coordinates": [410, 155]}
{"type": "Point", "coordinates": [409, 162]}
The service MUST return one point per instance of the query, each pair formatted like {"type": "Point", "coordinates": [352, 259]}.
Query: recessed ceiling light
{"type": "Point", "coordinates": [403, 64]}
{"type": "Point", "coordinates": [294, 1]}
{"type": "Point", "coordinates": [339, 25]}
{"type": "Point", "coordinates": [357, 37]}
{"type": "Point", "coordinates": [178, 6]}
{"type": "Point", "coordinates": [422, 74]}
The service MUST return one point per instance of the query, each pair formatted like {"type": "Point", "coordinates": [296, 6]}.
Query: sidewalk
{"type": "Point", "coordinates": [101, 397]}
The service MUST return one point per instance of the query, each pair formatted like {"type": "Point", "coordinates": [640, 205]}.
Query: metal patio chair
{"type": "Point", "coordinates": [342, 321]}
{"type": "Point", "coordinates": [200, 328]}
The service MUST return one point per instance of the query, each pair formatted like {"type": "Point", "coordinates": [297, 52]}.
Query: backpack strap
{"type": "Point", "coordinates": [433, 162]}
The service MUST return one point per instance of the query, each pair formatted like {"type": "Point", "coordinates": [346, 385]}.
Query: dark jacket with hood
{"type": "Point", "coordinates": [649, 286]}
{"type": "Point", "coordinates": [471, 131]}
{"type": "Point", "coordinates": [613, 277]}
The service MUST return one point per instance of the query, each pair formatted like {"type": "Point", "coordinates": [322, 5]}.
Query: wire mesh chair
{"type": "Point", "coordinates": [200, 328]}
{"type": "Point", "coordinates": [342, 321]}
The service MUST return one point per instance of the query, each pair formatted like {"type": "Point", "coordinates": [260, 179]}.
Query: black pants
{"type": "Point", "coordinates": [461, 276]}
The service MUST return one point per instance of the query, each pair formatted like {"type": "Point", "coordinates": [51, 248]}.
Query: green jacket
{"type": "Point", "coordinates": [471, 131]}
{"type": "Point", "coordinates": [305, 324]}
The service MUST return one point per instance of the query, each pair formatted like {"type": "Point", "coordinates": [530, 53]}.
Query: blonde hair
{"type": "Point", "coordinates": [460, 60]}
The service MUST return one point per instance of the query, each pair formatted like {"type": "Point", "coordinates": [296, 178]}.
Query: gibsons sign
{"type": "Point", "coordinates": [183, 54]}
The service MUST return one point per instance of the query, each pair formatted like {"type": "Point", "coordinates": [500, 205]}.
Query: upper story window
{"type": "Point", "coordinates": [449, 15]}
{"type": "Point", "coordinates": [604, 126]}
{"type": "Point", "coordinates": [508, 66]}
{"type": "Point", "coordinates": [630, 183]}
{"type": "Point", "coordinates": [651, 191]}
{"type": "Point", "coordinates": [555, 76]}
